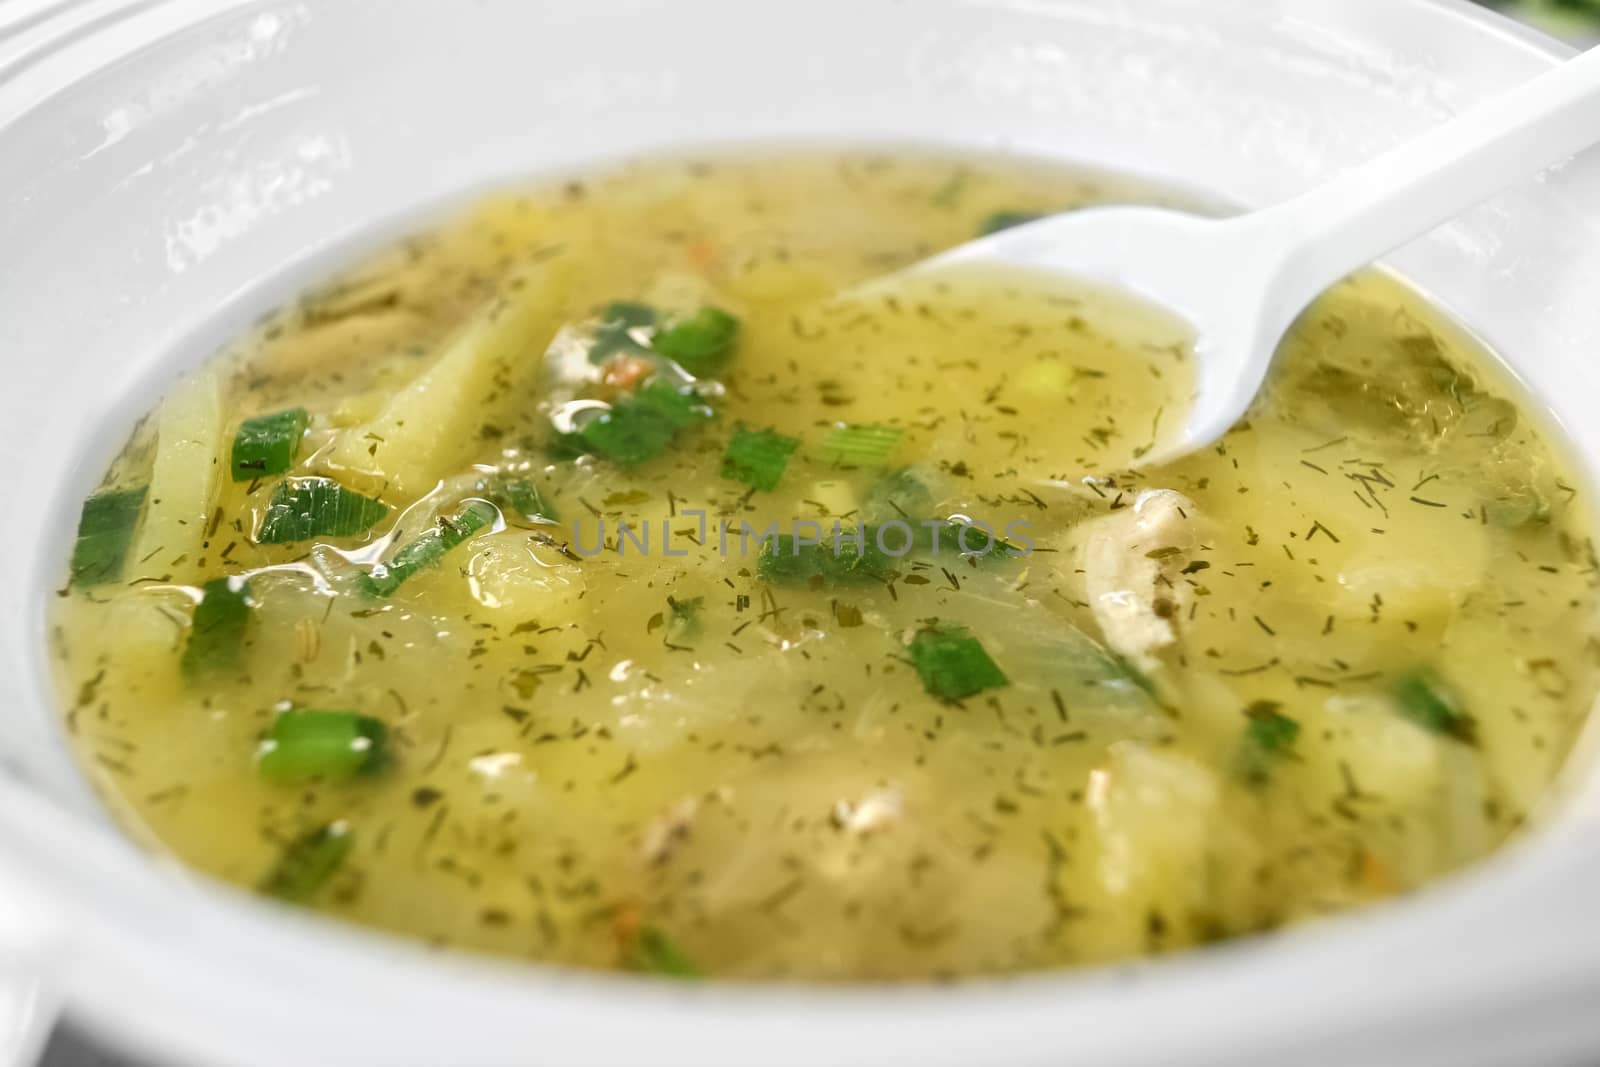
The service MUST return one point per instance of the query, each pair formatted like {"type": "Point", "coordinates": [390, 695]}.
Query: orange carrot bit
{"type": "Point", "coordinates": [627, 372]}
{"type": "Point", "coordinates": [626, 924]}
{"type": "Point", "coordinates": [1377, 875]}
{"type": "Point", "coordinates": [702, 255]}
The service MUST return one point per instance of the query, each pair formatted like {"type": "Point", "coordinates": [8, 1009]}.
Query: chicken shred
{"type": "Point", "coordinates": [1132, 564]}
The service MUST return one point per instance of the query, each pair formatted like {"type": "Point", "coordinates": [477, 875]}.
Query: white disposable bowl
{"type": "Point", "coordinates": [168, 170]}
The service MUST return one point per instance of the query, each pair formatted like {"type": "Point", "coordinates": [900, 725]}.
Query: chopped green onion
{"type": "Point", "coordinates": [1427, 701]}
{"type": "Point", "coordinates": [701, 343]}
{"type": "Point", "coordinates": [308, 863]}
{"type": "Point", "coordinates": [268, 445]}
{"type": "Point", "coordinates": [785, 559]}
{"type": "Point", "coordinates": [526, 500]}
{"type": "Point", "coordinates": [1005, 220]}
{"type": "Point", "coordinates": [216, 636]}
{"type": "Point", "coordinates": [332, 745]}
{"type": "Point", "coordinates": [303, 508]}
{"type": "Point", "coordinates": [903, 494]}
{"type": "Point", "coordinates": [656, 953]}
{"type": "Point", "coordinates": [517, 493]}
{"type": "Point", "coordinates": [953, 664]}
{"type": "Point", "coordinates": [105, 532]}
{"type": "Point", "coordinates": [861, 446]}
{"type": "Point", "coordinates": [641, 426]}
{"type": "Point", "coordinates": [967, 541]}
{"type": "Point", "coordinates": [427, 550]}
{"type": "Point", "coordinates": [1268, 737]}
{"type": "Point", "coordinates": [615, 332]}
{"type": "Point", "coordinates": [1517, 509]}
{"type": "Point", "coordinates": [757, 458]}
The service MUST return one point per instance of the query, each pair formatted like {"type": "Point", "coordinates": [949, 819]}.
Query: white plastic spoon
{"type": "Point", "coordinates": [1242, 282]}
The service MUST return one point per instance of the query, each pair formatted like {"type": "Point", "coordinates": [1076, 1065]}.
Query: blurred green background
{"type": "Point", "coordinates": [1575, 18]}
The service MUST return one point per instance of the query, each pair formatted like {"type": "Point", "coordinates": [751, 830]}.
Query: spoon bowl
{"type": "Point", "coordinates": [1213, 273]}
{"type": "Point", "coordinates": [1240, 283]}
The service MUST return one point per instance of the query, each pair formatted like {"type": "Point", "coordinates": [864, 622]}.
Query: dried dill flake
{"type": "Point", "coordinates": [953, 664]}
{"type": "Point", "coordinates": [758, 458]}
{"type": "Point", "coordinates": [848, 616]}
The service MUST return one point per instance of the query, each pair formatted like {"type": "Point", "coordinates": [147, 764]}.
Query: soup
{"type": "Point", "coordinates": [599, 578]}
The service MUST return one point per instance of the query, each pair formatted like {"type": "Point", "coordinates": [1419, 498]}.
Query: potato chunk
{"type": "Point", "coordinates": [1170, 868]}
{"type": "Point", "coordinates": [183, 483]}
{"type": "Point", "coordinates": [427, 430]}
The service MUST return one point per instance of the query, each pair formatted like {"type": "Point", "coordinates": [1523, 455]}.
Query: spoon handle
{"type": "Point", "coordinates": [1369, 211]}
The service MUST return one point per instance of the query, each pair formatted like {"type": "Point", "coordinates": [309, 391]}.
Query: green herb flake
{"type": "Point", "coordinates": [105, 533]}
{"type": "Point", "coordinates": [216, 635]}
{"type": "Point", "coordinates": [658, 954]}
{"type": "Point", "coordinates": [953, 664]}
{"type": "Point", "coordinates": [627, 436]}
{"type": "Point", "coordinates": [701, 343]}
{"type": "Point", "coordinates": [335, 746]}
{"type": "Point", "coordinates": [1426, 700]}
{"type": "Point", "coordinates": [641, 427]}
{"type": "Point", "coordinates": [304, 508]}
{"type": "Point", "coordinates": [618, 323]}
{"type": "Point", "coordinates": [861, 446]}
{"type": "Point", "coordinates": [1269, 737]}
{"type": "Point", "coordinates": [681, 407]}
{"type": "Point", "coordinates": [308, 863]}
{"type": "Point", "coordinates": [757, 458]}
{"type": "Point", "coordinates": [269, 445]}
